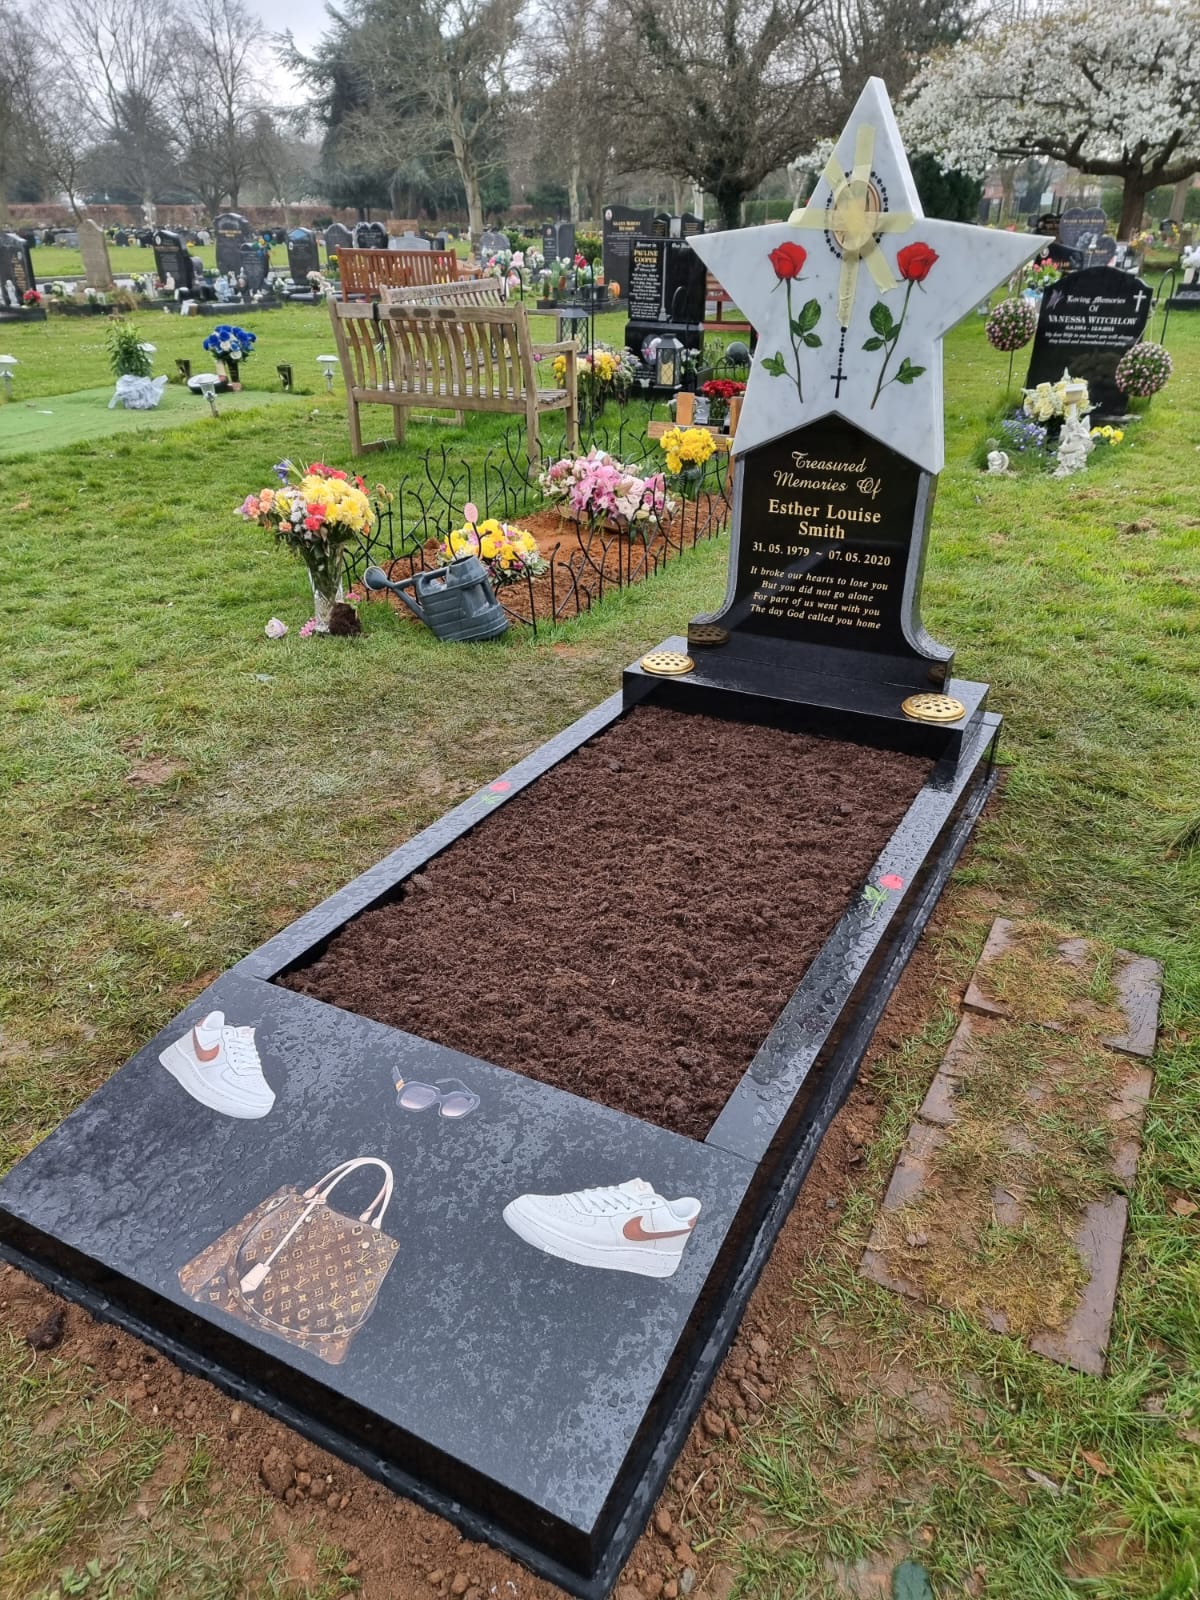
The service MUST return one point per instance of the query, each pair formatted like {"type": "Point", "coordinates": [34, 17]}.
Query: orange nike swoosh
{"type": "Point", "coordinates": [633, 1230]}
{"type": "Point", "coordinates": [201, 1053]}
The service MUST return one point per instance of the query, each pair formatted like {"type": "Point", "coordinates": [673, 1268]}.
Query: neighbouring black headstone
{"type": "Point", "coordinates": [491, 240]}
{"type": "Point", "coordinates": [232, 231]}
{"type": "Point", "coordinates": [1186, 296]}
{"type": "Point", "coordinates": [337, 237]}
{"type": "Point", "coordinates": [558, 242]}
{"type": "Point", "coordinates": [16, 271]}
{"type": "Point", "coordinates": [620, 225]}
{"type": "Point", "coordinates": [665, 292]}
{"type": "Point", "coordinates": [171, 259]}
{"type": "Point", "coordinates": [303, 255]}
{"type": "Point", "coordinates": [1087, 322]}
{"type": "Point", "coordinates": [1062, 255]}
{"type": "Point", "coordinates": [690, 225]}
{"type": "Point", "coordinates": [370, 236]}
{"type": "Point", "coordinates": [1080, 226]}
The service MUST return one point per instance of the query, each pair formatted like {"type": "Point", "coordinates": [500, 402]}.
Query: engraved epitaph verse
{"type": "Point", "coordinates": [827, 527]}
{"type": "Point", "coordinates": [646, 267]}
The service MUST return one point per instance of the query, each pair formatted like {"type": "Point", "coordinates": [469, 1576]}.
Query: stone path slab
{"type": "Point", "coordinates": [1082, 1341]}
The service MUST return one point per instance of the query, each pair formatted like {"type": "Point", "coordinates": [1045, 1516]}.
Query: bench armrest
{"type": "Point", "coordinates": [559, 349]}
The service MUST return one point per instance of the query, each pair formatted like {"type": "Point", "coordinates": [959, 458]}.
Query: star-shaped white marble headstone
{"type": "Point", "coordinates": [851, 296]}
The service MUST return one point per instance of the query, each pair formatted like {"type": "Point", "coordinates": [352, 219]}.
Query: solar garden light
{"type": "Point", "coordinates": [7, 363]}
{"type": "Point", "coordinates": [327, 364]}
{"type": "Point", "coordinates": [668, 363]}
{"type": "Point", "coordinates": [205, 383]}
{"type": "Point", "coordinates": [185, 368]}
{"type": "Point", "coordinates": [284, 369]}
{"type": "Point", "coordinates": [573, 326]}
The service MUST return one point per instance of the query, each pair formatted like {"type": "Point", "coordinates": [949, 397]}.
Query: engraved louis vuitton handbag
{"type": "Point", "coordinates": [299, 1268]}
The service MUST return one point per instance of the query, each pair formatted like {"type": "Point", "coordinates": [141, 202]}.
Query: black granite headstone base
{"type": "Point", "coordinates": [442, 1270]}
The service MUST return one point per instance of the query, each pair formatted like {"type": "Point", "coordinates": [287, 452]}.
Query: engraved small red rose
{"type": "Point", "coordinates": [788, 260]}
{"type": "Point", "coordinates": [891, 881]}
{"type": "Point", "coordinates": [915, 260]}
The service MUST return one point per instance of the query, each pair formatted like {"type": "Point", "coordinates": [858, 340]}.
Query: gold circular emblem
{"type": "Point", "coordinates": [707, 633]}
{"type": "Point", "coordinates": [667, 663]}
{"type": "Point", "coordinates": [857, 206]}
{"type": "Point", "coordinates": [933, 708]}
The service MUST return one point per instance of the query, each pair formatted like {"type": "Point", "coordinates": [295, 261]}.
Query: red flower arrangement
{"type": "Point", "coordinates": [723, 389]}
{"type": "Point", "coordinates": [32, 297]}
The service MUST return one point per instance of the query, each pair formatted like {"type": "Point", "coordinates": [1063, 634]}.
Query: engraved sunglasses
{"type": "Point", "coordinates": [450, 1095]}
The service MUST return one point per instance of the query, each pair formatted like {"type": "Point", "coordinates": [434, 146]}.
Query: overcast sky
{"type": "Point", "coordinates": [306, 18]}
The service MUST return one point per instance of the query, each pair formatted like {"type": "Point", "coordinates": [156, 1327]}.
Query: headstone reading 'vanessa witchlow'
{"type": "Point", "coordinates": [1087, 322]}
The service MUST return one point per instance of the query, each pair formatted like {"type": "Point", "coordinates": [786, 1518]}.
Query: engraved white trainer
{"type": "Point", "coordinates": [628, 1227]}
{"type": "Point", "coordinates": [219, 1066]}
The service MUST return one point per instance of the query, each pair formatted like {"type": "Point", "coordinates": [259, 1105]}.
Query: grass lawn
{"type": "Point", "coordinates": [177, 788]}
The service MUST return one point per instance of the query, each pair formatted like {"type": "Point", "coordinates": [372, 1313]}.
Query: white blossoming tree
{"type": "Point", "coordinates": [1112, 90]}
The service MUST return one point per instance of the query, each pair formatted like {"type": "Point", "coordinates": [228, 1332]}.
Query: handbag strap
{"type": "Point", "coordinates": [317, 1195]}
{"type": "Point", "coordinates": [324, 1187]}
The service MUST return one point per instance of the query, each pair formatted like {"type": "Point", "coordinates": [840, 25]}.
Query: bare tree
{"type": "Point", "coordinates": [724, 91]}
{"type": "Point", "coordinates": [118, 57]}
{"type": "Point", "coordinates": [432, 79]}
{"type": "Point", "coordinates": [21, 65]}
{"type": "Point", "coordinates": [566, 62]}
{"type": "Point", "coordinates": [215, 79]}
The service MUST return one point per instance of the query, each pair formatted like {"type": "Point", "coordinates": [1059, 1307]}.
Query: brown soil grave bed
{"type": "Point", "coordinates": [588, 562]}
{"type": "Point", "coordinates": [630, 927]}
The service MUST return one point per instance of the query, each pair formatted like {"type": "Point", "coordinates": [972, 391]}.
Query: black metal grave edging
{"type": "Point", "coordinates": [770, 1128]}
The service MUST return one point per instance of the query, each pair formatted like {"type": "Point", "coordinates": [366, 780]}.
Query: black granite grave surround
{"type": "Point", "coordinates": [537, 1403]}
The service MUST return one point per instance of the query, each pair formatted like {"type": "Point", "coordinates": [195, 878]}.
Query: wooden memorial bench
{"type": "Point", "coordinates": [447, 358]}
{"type": "Point", "coordinates": [366, 272]}
{"type": "Point", "coordinates": [720, 299]}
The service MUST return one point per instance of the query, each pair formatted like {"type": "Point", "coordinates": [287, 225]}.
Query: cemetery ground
{"type": "Point", "coordinates": [178, 787]}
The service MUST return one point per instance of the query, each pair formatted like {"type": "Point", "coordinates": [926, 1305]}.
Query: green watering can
{"type": "Point", "coordinates": [455, 602]}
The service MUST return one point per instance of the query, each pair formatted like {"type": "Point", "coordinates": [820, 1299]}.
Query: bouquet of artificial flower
{"type": "Point", "coordinates": [1143, 370]}
{"type": "Point", "coordinates": [316, 512]}
{"type": "Point", "coordinates": [596, 485]}
{"type": "Point", "coordinates": [509, 553]}
{"type": "Point", "coordinates": [230, 343]}
{"type": "Point", "coordinates": [719, 392]}
{"type": "Point", "coordinates": [1011, 324]}
{"type": "Point", "coordinates": [1048, 402]}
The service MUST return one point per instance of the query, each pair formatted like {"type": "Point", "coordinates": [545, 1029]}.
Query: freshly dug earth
{"type": "Point", "coordinates": [630, 927]}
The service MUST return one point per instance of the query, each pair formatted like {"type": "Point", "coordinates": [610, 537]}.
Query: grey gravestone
{"type": "Point", "coordinates": [94, 248]}
{"type": "Point", "coordinates": [254, 265]}
{"type": "Point", "coordinates": [491, 240]}
{"type": "Point", "coordinates": [558, 242]}
{"type": "Point", "coordinates": [303, 256]}
{"type": "Point", "coordinates": [1102, 252]}
{"type": "Point", "coordinates": [621, 224]}
{"type": "Point", "coordinates": [233, 231]}
{"type": "Point", "coordinates": [1087, 322]}
{"type": "Point", "coordinates": [337, 237]}
{"type": "Point", "coordinates": [16, 271]}
{"type": "Point", "coordinates": [409, 241]}
{"type": "Point", "coordinates": [171, 259]}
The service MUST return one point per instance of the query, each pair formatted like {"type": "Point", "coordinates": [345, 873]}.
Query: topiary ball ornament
{"type": "Point", "coordinates": [737, 354]}
{"type": "Point", "coordinates": [1143, 370]}
{"type": "Point", "coordinates": [1012, 324]}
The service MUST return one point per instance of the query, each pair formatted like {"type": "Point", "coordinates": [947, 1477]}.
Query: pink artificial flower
{"type": "Point", "coordinates": [309, 628]}
{"type": "Point", "coordinates": [471, 512]}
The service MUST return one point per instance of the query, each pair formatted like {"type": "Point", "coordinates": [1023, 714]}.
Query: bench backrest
{"type": "Point", "coordinates": [462, 292]}
{"type": "Point", "coordinates": [714, 291]}
{"type": "Point", "coordinates": [478, 351]}
{"type": "Point", "coordinates": [367, 271]}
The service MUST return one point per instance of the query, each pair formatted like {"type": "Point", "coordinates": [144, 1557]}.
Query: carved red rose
{"type": "Point", "coordinates": [788, 260]}
{"type": "Point", "coordinates": [891, 880]}
{"type": "Point", "coordinates": [915, 261]}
